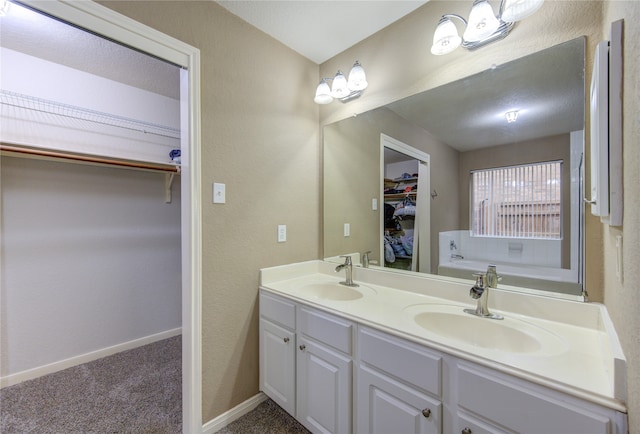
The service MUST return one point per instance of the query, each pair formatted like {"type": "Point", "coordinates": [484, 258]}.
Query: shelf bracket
{"type": "Point", "coordinates": [168, 182]}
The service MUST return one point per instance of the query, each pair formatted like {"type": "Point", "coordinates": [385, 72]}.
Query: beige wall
{"type": "Point", "coordinates": [623, 298]}
{"type": "Point", "coordinates": [260, 137]}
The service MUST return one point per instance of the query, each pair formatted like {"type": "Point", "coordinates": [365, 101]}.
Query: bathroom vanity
{"type": "Point", "coordinates": [397, 354]}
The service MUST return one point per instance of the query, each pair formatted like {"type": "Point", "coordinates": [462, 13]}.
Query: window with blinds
{"type": "Point", "coordinates": [518, 201]}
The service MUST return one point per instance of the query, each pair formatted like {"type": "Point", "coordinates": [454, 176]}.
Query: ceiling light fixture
{"type": "Point", "coordinates": [483, 26]}
{"type": "Point", "coordinates": [511, 116]}
{"type": "Point", "coordinates": [341, 88]}
{"type": "Point", "coordinates": [4, 7]}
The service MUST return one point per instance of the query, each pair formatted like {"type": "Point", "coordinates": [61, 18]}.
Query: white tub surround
{"type": "Point", "coordinates": [584, 358]}
{"type": "Point", "coordinates": [535, 263]}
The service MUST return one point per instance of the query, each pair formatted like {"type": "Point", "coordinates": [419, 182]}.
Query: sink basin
{"type": "Point", "coordinates": [509, 335]}
{"type": "Point", "coordinates": [335, 291]}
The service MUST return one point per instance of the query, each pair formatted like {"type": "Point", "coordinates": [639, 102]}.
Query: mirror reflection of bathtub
{"type": "Point", "coordinates": [535, 263]}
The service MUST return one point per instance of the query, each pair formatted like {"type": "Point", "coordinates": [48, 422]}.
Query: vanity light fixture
{"type": "Point", "coordinates": [511, 116]}
{"type": "Point", "coordinates": [483, 26]}
{"type": "Point", "coordinates": [4, 7]}
{"type": "Point", "coordinates": [341, 88]}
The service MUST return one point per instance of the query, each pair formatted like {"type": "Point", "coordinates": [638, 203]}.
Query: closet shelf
{"type": "Point", "coordinates": [400, 196]}
{"type": "Point", "coordinates": [170, 170]}
{"type": "Point", "coordinates": [35, 104]}
{"type": "Point", "coordinates": [25, 151]}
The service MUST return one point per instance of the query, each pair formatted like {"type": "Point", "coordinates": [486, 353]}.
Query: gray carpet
{"type": "Point", "coordinates": [136, 391]}
{"type": "Point", "coordinates": [267, 418]}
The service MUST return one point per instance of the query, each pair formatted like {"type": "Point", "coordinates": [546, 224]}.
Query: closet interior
{"type": "Point", "coordinates": [90, 182]}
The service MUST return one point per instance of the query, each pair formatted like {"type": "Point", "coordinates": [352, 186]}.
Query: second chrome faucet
{"type": "Point", "coordinates": [480, 292]}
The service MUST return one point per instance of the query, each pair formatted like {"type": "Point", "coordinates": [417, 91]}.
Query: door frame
{"type": "Point", "coordinates": [106, 22]}
{"type": "Point", "coordinates": [422, 225]}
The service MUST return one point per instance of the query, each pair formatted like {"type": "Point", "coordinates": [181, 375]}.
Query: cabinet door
{"type": "Point", "coordinates": [388, 406]}
{"type": "Point", "coordinates": [277, 365]}
{"type": "Point", "coordinates": [323, 388]}
{"type": "Point", "coordinates": [526, 408]}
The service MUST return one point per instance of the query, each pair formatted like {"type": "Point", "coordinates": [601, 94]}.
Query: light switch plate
{"type": "Point", "coordinates": [347, 229]}
{"type": "Point", "coordinates": [282, 233]}
{"type": "Point", "coordinates": [219, 193]}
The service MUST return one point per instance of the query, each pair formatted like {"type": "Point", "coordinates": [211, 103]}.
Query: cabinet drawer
{"type": "Point", "coordinates": [523, 408]}
{"type": "Point", "coordinates": [470, 425]}
{"type": "Point", "coordinates": [401, 359]}
{"type": "Point", "coordinates": [278, 310]}
{"type": "Point", "coordinates": [326, 328]}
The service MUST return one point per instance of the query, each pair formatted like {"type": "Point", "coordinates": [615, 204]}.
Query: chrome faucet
{"type": "Point", "coordinates": [348, 266]}
{"type": "Point", "coordinates": [365, 259]}
{"type": "Point", "coordinates": [480, 292]}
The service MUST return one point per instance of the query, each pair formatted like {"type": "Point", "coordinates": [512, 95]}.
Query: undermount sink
{"type": "Point", "coordinates": [335, 291]}
{"type": "Point", "coordinates": [509, 335]}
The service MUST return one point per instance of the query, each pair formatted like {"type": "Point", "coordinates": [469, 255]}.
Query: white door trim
{"type": "Point", "coordinates": [422, 248]}
{"type": "Point", "coordinates": [104, 21]}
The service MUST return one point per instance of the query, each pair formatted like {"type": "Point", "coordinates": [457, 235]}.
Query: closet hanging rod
{"type": "Point", "coordinates": [89, 158]}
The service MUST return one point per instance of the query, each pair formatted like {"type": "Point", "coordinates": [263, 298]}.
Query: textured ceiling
{"type": "Point", "coordinates": [321, 29]}
{"type": "Point", "coordinates": [547, 88]}
{"type": "Point", "coordinates": [40, 36]}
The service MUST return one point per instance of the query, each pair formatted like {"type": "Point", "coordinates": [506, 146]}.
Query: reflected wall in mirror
{"type": "Point", "coordinates": [525, 212]}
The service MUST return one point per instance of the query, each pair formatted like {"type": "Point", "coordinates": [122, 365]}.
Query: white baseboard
{"type": "Point", "coordinates": [30, 374]}
{"type": "Point", "coordinates": [236, 412]}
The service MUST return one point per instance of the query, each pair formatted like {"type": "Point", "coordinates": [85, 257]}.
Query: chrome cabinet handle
{"type": "Point", "coordinates": [286, 340]}
{"type": "Point", "coordinates": [302, 347]}
{"type": "Point", "coordinates": [426, 413]}
{"type": "Point", "coordinates": [467, 430]}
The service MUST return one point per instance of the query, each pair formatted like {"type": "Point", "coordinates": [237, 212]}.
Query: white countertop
{"type": "Point", "coordinates": [588, 362]}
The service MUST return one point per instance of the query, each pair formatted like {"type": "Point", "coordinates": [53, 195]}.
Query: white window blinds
{"type": "Point", "coordinates": [518, 201]}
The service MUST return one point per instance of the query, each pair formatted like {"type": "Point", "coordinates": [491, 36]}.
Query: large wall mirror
{"type": "Point", "coordinates": [506, 151]}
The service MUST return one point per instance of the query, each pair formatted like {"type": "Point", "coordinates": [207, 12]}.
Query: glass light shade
{"type": "Point", "coordinates": [482, 22]}
{"type": "Point", "coordinates": [339, 87]}
{"type": "Point", "coordinates": [323, 93]}
{"type": "Point", "coordinates": [357, 78]}
{"type": "Point", "coordinates": [445, 38]}
{"type": "Point", "coordinates": [4, 7]}
{"type": "Point", "coordinates": [511, 116]}
{"type": "Point", "coordinates": [515, 10]}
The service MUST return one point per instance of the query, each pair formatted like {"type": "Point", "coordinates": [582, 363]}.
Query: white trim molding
{"type": "Point", "coordinates": [39, 371]}
{"type": "Point", "coordinates": [216, 424]}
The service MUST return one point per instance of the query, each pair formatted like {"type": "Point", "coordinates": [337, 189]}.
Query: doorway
{"type": "Point", "coordinates": [105, 22]}
{"type": "Point", "coordinates": [404, 220]}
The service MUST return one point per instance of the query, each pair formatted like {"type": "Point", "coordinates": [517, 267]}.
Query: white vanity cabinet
{"type": "Point", "coordinates": [278, 350]}
{"type": "Point", "coordinates": [306, 363]}
{"type": "Point", "coordinates": [336, 375]}
{"type": "Point", "coordinates": [398, 386]}
{"type": "Point", "coordinates": [488, 401]}
{"type": "Point", "coordinates": [324, 371]}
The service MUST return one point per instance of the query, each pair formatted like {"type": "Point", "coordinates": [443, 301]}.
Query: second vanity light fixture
{"type": "Point", "coordinates": [483, 26]}
{"type": "Point", "coordinates": [341, 88]}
